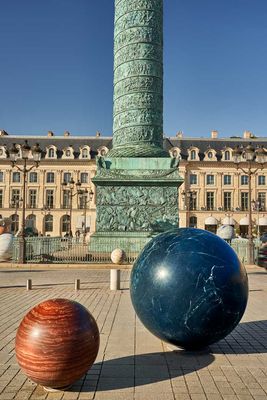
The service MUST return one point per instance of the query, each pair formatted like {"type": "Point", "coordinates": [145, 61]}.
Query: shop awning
{"type": "Point", "coordinates": [211, 221]}
{"type": "Point", "coordinates": [263, 221]}
{"type": "Point", "coordinates": [228, 221]}
{"type": "Point", "coordinates": [244, 221]}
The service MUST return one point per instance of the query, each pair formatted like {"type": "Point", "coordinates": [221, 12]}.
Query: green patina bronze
{"type": "Point", "coordinates": [137, 184]}
{"type": "Point", "coordinates": [138, 79]}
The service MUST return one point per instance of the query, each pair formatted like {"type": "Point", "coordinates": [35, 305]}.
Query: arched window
{"type": "Point", "coordinates": [48, 223]}
{"type": "Point", "coordinates": [85, 153]}
{"type": "Point", "coordinates": [65, 224]}
{"type": "Point", "coordinates": [193, 222]}
{"type": "Point", "coordinates": [68, 153]}
{"type": "Point", "coordinates": [193, 154]}
{"type": "Point", "coordinates": [51, 153]}
{"type": "Point", "coordinates": [227, 155]}
{"type": "Point", "coordinates": [210, 154]}
{"type": "Point", "coordinates": [31, 225]}
{"type": "Point", "coordinates": [14, 223]}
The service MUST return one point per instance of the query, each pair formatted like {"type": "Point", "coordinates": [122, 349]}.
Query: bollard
{"type": "Point", "coordinates": [115, 278]}
{"type": "Point", "coordinates": [29, 284]}
{"type": "Point", "coordinates": [77, 284]}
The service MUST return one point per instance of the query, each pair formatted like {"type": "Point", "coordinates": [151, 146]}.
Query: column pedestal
{"type": "Point", "coordinates": [137, 198]}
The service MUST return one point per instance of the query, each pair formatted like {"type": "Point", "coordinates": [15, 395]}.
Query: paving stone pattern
{"type": "Point", "coordinates": [132, 364]}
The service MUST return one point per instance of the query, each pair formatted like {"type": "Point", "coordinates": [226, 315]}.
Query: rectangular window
{"type": "Point", "coordinates": [261, 180]}
{"type": "Point", "coordinates": [262, 201]}
{"type": "Point", "coordinates": [15, 198]}
{"type": "Point", "coordinates": [33, 198]}
{"type": "Point", "coordinates": [66, 199]}
{"type": "Point", "coordinates": [66, 177]}
{"type": "Point", "coordinates": [210, 200]}
{"type": "Point", "coordinates": [244, 201]}
{"type": "Point", "coordinates": [50, 198]}
{"type": "Point", "coordinates": [84, 177]}
{"type": "Point", "coordinates": [210, 180]}
{"type": "Point", "coordinates": [227, 200]}
{"type": "Point", "coordinates": [48, 223]}
{"type": "Point", "coordinates": [33, 177]}
{"type": "Point", "coordinates": [193, 202]}
{"type": "Point", "coordinates": [193, 179]}
{"type": "Point", "coordinates": [50, 177]}
{"type": "Point", "coordinates": [244, 180]}
{"type": "Point", "coordinates": [82, 201]}
{"type": "Point", "coordinates": [227, 179]}
{"type": "Point", "coordinates": [16, 177]}
{"type": "Point", "coordinates": [1, 176]}
{"type": "Point", "coordinates": [1, 198]}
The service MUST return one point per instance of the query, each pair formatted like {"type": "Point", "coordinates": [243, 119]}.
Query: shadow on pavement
{"type": "Point", "coordinates": [144, 369]}
{"type": "Point", "coordinates": [247, 338]}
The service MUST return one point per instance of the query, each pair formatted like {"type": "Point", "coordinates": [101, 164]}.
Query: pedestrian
{"type": "Point", "coordinates": [6, 240]}
{"type": "Point", "coordinates": [77, 235]}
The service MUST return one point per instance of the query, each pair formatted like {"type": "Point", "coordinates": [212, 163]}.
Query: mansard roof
{"type": "Point", "coordinates": [203, 144]}
{"type": "Point", "coordinates": [60, 143]}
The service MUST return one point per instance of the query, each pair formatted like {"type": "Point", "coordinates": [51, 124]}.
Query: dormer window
{"type": "Point", "coordinates": [68, 152]}
{"type": "Point", "coordinates": [3, 152]}
{"type": "Point", "coordinates": [193, 154]}
{"type": "Point", "coordinates": [84, 153]}
{"type": "Point", "coordinates": [51, 153]}
{"type": "Point", "coordinates": [210, 155]}
{"type": "Point", "coordinates": [227, 155]}
{"type": "Point", "coordinates": [102, 151]}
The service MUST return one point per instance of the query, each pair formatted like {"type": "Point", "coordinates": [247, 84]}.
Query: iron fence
{"type": "Point", "coordinates": [60, 250]}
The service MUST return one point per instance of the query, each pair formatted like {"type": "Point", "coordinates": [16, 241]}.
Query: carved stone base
{"type": "Point", "coordinates": [137, 198]}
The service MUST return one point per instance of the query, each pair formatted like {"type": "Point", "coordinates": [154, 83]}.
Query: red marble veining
{"type": "Point", "coordinates": [57, 342]}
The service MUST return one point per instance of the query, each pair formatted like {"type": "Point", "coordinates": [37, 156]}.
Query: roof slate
{"type": "Point", "coordinates": [96, 142]}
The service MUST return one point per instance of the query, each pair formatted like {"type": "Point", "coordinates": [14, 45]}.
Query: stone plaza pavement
{"type": "Point", "coordinates": [132, 364]}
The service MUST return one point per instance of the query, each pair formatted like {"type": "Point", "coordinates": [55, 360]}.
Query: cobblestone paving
{"type": "Point", "coordinates": [132, 364]}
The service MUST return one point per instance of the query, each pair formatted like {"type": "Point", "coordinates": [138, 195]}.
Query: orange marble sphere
{"type": "Point", "coordinates": [57, 342]}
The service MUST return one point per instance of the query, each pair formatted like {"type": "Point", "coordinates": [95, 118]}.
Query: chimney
{"type": "Point", "coordinates": [50, 134]}
{"type": "Point", "coordinates": [247, 135]}
{"type": "Point", "coordinates": [66, 134]}
{"type": "Point", "coordinates": [214, 134]}
{"type": "Point", "coordinates": [98, 134]}
{"type": "Point", "coordinates": [3, 132]}
{"type": "Point", "coordinates": [179, 134]}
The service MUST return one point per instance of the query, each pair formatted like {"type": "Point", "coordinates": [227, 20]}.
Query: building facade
{"type": "Point", "coordinates": [214, 191]}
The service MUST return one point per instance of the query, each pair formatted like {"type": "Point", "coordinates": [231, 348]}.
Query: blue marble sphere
{"type": "Point", "coordinates": [189, 288]}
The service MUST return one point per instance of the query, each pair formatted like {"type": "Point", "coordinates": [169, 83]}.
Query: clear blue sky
{"type": "Point", "coordinates": [56, 63]}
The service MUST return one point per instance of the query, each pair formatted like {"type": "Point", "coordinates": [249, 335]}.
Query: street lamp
{"type": "Point", "coordinates": [15, 203]}
{"type": "Point", "coordinates": [86, 200]}
{"type": "Point", "coordinates": [249, 156]}
{"type": "Point", "coordinates": [189, 198]}
{"type": "Point", "coordinates": [70, 187]}
{"type": "Point", "coordinates": [45, 211]}
{"type": "Point", "coordinates": [15, 160]}
{"type": "Point", "coordinates": [256, 206]}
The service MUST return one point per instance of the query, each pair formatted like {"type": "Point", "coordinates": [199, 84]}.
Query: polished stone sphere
{"type": "Point", "coordinates": [118, 256]}
{"type": "Point", "coordinates": [57, 342]}
{"type": "Point", "coordinates": [189, 288]}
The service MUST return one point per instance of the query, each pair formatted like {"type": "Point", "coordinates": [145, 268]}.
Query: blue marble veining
{"type": "Point", "coordinates": [189, 288]}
